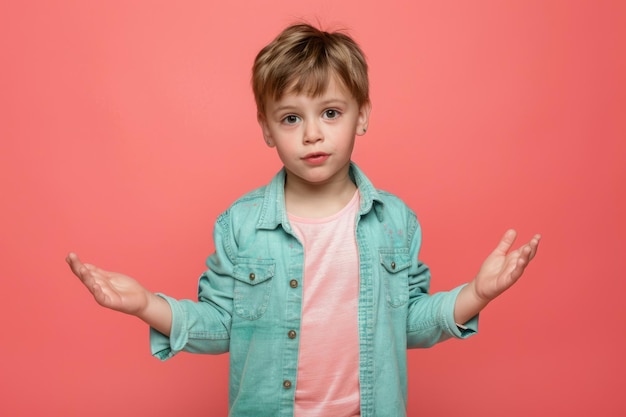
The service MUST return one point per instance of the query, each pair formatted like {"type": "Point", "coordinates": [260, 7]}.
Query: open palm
{"type": "Point", "coordinates": [502, 268]}
{"type": "Point", "coordinates": [110, 289]}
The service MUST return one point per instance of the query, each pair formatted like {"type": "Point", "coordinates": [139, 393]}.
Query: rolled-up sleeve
{"type": "Point", "coordinates": [162, 346]}
{"type": "Point", "coordinates": [431, 316]}
{"type": "Point", "coordinates": [202, 326]}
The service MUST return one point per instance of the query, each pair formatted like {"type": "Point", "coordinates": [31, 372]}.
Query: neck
{"type": "Point", "coordinates": [318, 200]}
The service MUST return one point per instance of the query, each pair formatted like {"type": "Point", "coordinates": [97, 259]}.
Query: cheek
{"type": "Point", "coordinates": [348, 136]}
{"type": "Point", "coordinates": [285, 150]}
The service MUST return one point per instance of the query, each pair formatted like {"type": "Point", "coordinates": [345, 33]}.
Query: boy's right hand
{"type": "Point", "coordinates": [111, 289]}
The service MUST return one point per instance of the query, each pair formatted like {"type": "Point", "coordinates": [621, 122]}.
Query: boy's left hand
{"type": "Point", "coordinates": [502, 268]}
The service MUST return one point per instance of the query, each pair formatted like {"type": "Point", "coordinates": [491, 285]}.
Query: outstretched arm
{"type": "Point", "coordinates": [498, 273]}
{"type": "Point", "coordinates": [122, 293]}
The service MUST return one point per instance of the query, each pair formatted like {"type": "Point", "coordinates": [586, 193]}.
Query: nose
{"type": "Point", "coordinates": [312, 133]}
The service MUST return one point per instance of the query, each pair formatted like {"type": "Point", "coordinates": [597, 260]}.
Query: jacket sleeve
{"type": "Point", "coordinates": [430, 318]}
{"type": "Point", "coordinates": [203, 326]}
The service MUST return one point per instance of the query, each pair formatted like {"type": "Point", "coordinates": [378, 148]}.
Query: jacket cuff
{"type": "Point", "coordinates": [458, 330]}
{"type": "Point", "coordinates": [162, 346]}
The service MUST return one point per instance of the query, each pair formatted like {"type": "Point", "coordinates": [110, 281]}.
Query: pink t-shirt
{"type": "Point", "coordinates": [328, 362]}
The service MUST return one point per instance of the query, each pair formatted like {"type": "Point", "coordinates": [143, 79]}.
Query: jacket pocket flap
{"type": "Point", "coordinates": [395, 259]}
{"type": "Point", "coordinates": [254, 271]}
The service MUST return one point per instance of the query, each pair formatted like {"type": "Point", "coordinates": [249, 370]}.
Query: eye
{"type": "Point", "coordinates": [331, 114]}
{"type": "Point", "coordinates": [291, 119]}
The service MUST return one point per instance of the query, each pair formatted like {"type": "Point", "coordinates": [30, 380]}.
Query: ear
{"type": "Point", "coordinates": [364, 118]}
{"type": "Point", "coordinates": [267, 135]}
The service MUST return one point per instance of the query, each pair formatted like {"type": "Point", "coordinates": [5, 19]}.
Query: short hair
{"type": "Point", "coordinates": [303, 58]}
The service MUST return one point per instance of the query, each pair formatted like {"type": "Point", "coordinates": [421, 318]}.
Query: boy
{"type": "Point", "coordinates": [314, 288]}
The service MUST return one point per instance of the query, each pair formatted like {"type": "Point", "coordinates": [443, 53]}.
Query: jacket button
{"type": "Point", "coordinates": [293, 283]}
{"type": "Point", "coordinates": [393, 265]}
{"type": "Point", "coordinates": [291, 334]}
{"type": "Point", "coordinates": [286, 384]}
{"type": "Point", "coordinates": [252, 276]}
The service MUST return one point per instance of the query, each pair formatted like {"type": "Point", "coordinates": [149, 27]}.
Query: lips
{"type": "Point", "coordinates": [316, 158]}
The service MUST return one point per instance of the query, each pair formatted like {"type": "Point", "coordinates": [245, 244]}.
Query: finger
{"type": "Point", "coordinates": [518, 270]}
{"type": "Point", "coordinates": [534, 244]}
{"type": "Point", "coordinates": [94, 269]}
{"type": "Point", "coordinates": [520, 265]}
{"type": "Point", "coordinates": [96, 283]}
{"type": "Point", "coordinates": [88, 274]}
{"type": "Point", "coordinates": [75, 264]}
{"type": "Point", "coordinates": [100, 294]}
{"type": "Point", "coordinates": [530, 249]}
{"type": "Point", "coordinates": [506, 242]}
{"type": "Point", "coordinates": [526, 254]}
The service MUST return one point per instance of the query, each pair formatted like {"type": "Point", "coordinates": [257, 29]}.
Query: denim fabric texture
{"type": "Point", "coordinates": [250, 298]}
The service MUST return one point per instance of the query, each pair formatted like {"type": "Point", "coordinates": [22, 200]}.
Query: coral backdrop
{"type": "Point", "coordinates": [126, 127]}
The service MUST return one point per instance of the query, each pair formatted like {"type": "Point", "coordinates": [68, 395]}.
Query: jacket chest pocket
{"type": "Point", "coordinates": [395, 263]}
{"type": "Point", "coordinates": [253, 284]}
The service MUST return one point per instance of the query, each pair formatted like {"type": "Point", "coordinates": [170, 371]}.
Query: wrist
{"type": "Point", "coordinates": [479, 298]}
{"type": "Point", "coordinates": [468, 304]}
{"type": "Point", "coordinates": [156, 313]}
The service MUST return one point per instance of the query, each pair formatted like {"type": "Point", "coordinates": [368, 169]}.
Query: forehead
{"type": "Point", "coordinates": [333, 90]}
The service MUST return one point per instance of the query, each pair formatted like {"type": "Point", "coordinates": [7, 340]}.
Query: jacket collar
{"type": "Point", "coordinates": [273, 211]}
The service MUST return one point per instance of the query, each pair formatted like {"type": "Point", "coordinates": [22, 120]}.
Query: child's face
{"type": "Point", "coordinates": [314, 136]}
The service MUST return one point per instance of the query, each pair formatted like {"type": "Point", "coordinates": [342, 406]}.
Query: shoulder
{"type": "Point", "coordinates": [393, 200]}
{"type": "Point", "coordinates": [394, 205]}
{"type": "Point", "coordinates": [394, 214]}
{"type": "Point", "coordinates": [246, 205]}
{"type": "Point", "coordinates": [371, 195]}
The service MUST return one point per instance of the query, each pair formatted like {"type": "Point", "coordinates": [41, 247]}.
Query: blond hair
{"type": "Point", "coordinates": [303, 58]}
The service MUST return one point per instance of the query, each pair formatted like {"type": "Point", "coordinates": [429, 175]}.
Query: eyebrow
{"type": "Point", "coordinates": [325, 103]}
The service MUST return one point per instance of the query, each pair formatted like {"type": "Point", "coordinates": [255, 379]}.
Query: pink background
{"type": "Point", "coordinates": [128, 126]}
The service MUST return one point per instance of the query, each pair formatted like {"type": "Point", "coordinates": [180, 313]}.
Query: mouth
{"type": "Point", "coordinates": [316, 157]}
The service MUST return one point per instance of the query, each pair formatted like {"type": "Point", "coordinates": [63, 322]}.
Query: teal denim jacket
{"type": "Point", "coordinates": [250, 299]}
